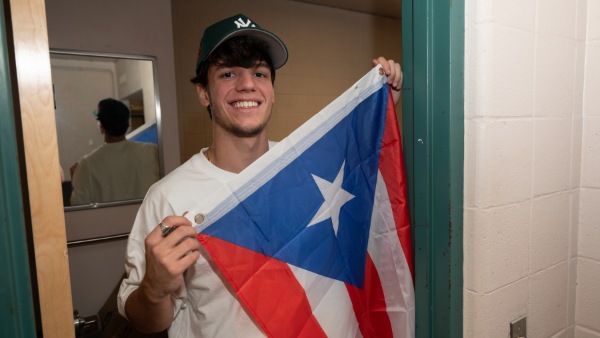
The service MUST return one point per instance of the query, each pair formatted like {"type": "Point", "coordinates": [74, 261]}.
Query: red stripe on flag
{"type": "Point", "coordinates": [369, 304]}
{"type": "Point", "coordinates": [391, 166]}
{"type": "Point", "coordinates": [267, 288]}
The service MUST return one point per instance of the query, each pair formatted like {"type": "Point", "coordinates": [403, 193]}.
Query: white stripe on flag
{"type": "Point", "coordinates": [330, 303]}
{"type": "Point", "coordinates": [394, 272]}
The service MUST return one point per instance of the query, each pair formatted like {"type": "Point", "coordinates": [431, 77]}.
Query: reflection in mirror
{"type": "Point", "coordinates": [101, 165]}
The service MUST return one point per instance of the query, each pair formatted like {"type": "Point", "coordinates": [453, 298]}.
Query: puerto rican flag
{"type": "Point", "coordinates": [314, 237]}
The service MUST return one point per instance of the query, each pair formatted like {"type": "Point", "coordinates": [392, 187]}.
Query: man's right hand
{"type": "Point", "coordinates": [168, 257]}
{"type": "Point", "coordinates": [150, 307]}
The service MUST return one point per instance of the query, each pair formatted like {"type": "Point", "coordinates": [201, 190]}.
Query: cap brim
{"type": "Point", "coordinates": [277, 50]}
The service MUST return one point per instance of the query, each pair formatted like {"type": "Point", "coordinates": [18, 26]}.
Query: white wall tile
{"type": "Point", "coordinates": [555, 64]}
{"type": "Point", "coordinates": [581, 332]}
{"type": "Point", "coordinates": [504, 65]}
{"type": "Point", "coordinates": [550, 230]}
{"type": "Point", "coordinates": [588, 294]}
{"type": "Point", "coordinates": [593, 24]}
{"type": "Point", "coordinates": [589, 227]}
{"type": "Point", "coordinates": [552, 155]}
{"type": "Point", "coordinates": [569, 332]}
{"type": "Point", "coordinates": [548, 298]}
{"type": "Point", "coordinates": [576, 153]}
{"type": "Point", "coordinates": [590, 164]}
{"type": "Point", "coordinates": [591, 99]}
{"type": "Point", "coordinates": [489, 315]}
{"type": "Point", "coordinates": [515, 13]}
{"type": "Point", "coordinates": [496, 247]}
{"type": "Point", "coordinates": [557, 17]}
{"type": "Point", "coordinates": [572, 292]}
{"type": "Point", "coordinates": [582, 20]}
{"type": "Point", "coordinates": [504, 161]}
{"type": "Point", "coordinates": [574, 235]}
{"type": "Point", "coordinates": [580, 73]}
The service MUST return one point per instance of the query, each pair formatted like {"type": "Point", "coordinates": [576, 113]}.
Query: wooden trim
{"type": "Point", "coordinates": [36, 103]}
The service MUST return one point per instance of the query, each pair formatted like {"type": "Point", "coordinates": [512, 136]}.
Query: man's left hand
{"type": "Point", "coordinates": [394, 75]}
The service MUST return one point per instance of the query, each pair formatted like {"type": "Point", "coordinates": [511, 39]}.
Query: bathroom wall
{"type": "Point", "coordinates": [532, 159]}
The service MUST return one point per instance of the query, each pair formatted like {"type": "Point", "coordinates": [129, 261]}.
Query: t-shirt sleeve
{"type": "Point", "coordinates": [81, 183]}
{"type": "Point", "coordinates": [153, 209]}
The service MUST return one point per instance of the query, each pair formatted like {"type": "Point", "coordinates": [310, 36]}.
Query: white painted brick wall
{"type": "Point", "coordinates": [532, 167]}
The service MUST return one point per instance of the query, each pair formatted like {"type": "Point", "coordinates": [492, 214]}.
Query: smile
{"type": "Point", "coordinates": [245, 104]}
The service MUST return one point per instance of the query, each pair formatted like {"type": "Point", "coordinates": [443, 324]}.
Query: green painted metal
{"type": "Point", "coordinates": [433, 120]}
{"type": "Point", "coordinates": [457, 145]}
{"type": "Point", "coordinates": [16, 301]}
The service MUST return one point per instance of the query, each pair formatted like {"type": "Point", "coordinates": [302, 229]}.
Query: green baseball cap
{"type": "Point", "coordinates": [240, 25]}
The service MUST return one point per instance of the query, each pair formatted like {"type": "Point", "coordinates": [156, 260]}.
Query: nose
{"type": "Point", "coordinates": [245, 81]}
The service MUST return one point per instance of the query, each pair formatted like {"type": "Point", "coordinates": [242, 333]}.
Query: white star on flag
{"type": "Point", "coordinates": [335, 198]}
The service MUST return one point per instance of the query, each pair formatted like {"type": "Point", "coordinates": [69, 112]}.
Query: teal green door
{"type": "Point", "coordinates": [16, 307]}
{"type": "Point", "coordinates": [433, 128]}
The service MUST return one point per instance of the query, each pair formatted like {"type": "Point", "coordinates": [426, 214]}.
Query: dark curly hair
{"type": "Point", "coordinates": [115, 127]}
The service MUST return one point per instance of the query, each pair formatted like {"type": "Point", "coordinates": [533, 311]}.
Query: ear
{"type": "Point", "coordinates": [203, 95]}
{"type": "Point", "coordinates": [101, 128]}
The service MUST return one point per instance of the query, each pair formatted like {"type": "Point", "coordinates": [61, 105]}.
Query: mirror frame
{"type": "Point", "coordinates": [154, 61]}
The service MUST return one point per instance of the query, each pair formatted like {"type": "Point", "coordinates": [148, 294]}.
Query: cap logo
{"type": "Point", "coordinates": [241, 24]}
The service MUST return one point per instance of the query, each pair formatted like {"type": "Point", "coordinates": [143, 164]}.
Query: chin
{"type": "Point", "coordinates": [247, 132]}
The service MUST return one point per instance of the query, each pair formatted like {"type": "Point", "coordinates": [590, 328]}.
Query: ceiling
{"type": "Point", "coordinates": [387, 8]}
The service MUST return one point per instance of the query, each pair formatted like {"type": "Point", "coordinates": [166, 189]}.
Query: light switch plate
{"type": "Point", "coordinates": [518, 328]}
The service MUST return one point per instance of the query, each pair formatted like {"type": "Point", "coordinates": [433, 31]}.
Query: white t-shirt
{"type": "Point", "coordinates": [115, 172]}
{"type": "Point", "coordinates": [204, 306]}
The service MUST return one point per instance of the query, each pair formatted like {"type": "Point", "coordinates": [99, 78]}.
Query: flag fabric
{"type": "Point", "coordinates": [314, 237]}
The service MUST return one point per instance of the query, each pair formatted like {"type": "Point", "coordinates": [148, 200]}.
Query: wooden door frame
{"type": "Point", "coordinates": [33, 101]}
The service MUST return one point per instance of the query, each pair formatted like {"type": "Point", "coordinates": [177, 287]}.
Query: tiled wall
{"type": "Point", "coordinates": [532, 167]}
{"type": "Point", "coordinates": [329, 50]}
{"type": "Point", "coordinates": [588, 265]}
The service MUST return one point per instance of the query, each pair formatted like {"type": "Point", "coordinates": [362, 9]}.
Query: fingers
{"type": "Point", "coordinates": [392, 69]}
{"type": "Point", "coordinates": [176, 251]}
{"type": "Point", "coordinates": [169, 249]}
{"type": "Point", "coordinates": [168, 257]}
{"type": "Point", "coordinates": [168, 225]}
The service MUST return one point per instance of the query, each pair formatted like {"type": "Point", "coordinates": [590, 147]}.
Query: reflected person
{"type": "Point", "coordinates": [119, 169]}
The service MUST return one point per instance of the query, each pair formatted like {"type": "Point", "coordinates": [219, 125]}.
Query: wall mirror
{"type": "Point", "coordinates": [80, 81]}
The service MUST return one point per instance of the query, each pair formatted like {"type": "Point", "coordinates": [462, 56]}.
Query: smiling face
{"type": "Point", "coordinates": [240, 98]}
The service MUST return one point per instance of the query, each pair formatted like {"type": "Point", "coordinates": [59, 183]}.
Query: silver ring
{"type": "Point", "coordinates": [165, 229]}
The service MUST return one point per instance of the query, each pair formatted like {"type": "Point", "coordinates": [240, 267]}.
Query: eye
{"type": "Point", "coordinates": [227, 75]}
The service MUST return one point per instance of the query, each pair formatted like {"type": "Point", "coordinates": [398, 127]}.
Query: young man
{"type": "Point", "coordinates": [171, 281]}
{"type": "Point", "coordinates": [119, 169]}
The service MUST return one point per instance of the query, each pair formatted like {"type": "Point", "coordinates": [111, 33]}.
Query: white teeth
{"type": "Point", "coordinates": [245, 104]}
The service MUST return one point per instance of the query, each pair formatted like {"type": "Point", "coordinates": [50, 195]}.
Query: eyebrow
{"type": "Point", "coordinates": [258, 64]}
